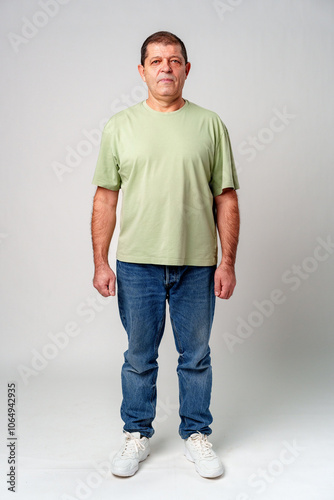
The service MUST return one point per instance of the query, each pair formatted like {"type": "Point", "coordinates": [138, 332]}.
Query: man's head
{"type": "Point", "coordinates": [164, 67]}
{"type": "Point", "coordinates": [164, 38]}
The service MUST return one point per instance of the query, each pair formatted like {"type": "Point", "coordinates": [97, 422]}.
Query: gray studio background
{"type": "Point", "coordinates": [266, 67]}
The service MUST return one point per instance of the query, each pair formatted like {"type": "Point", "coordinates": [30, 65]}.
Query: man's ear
{"type": "Point", "coordinates": [141, 72]}
{"type": "Point", "coordinates": [188, 66]}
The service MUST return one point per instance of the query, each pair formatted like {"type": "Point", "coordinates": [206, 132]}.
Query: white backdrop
{"type": "Point", "coordinates": [266, 67]}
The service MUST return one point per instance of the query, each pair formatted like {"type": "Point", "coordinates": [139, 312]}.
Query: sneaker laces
{"type": "Point", "coordinates": [202, 445]}
{"type": "Point", "coordinates": [132, 445]}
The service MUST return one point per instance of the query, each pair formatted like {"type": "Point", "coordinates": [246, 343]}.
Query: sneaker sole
{"type": "Point", "coordinates": [132, 472]}
{"type": "Point", "coordinates": [216, 473]}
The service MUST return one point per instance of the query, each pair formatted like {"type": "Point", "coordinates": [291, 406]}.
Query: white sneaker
{"type": "Point", "coordinates": [197, 449]}
{"type": "Point", "coordinates": [134, 450]}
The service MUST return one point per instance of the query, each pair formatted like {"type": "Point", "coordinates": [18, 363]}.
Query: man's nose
{"type": "Point", "coordinates": [165, 66]}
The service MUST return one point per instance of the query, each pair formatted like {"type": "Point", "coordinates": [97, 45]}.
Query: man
{"type": "Point", "coordinates": [173, 161]}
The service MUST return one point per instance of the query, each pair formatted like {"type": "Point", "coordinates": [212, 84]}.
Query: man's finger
{"type": "Point", "coordinates": [217, 287]}
{"type": "Point", "coordinates": [103, 291]}
{"type": "Point", "coordinates": [227, 293]}
{"type": "Point", "coordinates": [111, 286]}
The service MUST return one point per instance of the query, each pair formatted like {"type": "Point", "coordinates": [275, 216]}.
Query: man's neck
{"type": "Point", "coordinates": [165, 106]}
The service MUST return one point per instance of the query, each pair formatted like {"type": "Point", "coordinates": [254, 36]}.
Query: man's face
{"type": "Point", "coordinates": [164, 71]}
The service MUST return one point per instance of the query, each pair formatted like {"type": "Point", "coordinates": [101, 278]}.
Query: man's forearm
{"type": "Point", "coordinates": [103, 224]}
{"type": "Point", "coordinates": [228, 224]}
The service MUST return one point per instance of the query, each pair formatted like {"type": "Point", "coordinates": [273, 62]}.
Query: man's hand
{"type": "Point", "coordinates": [225, 281]}
{"type": "Point", "coordinates": [104, 280]}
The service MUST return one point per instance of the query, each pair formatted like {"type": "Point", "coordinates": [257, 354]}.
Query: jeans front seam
{"type": "Point", "coordinates": [156, 348]}
{"type": "Point", "coordinates": [177, 338]}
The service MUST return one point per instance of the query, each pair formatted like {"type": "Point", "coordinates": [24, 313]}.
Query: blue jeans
{"type": "Point", "coordinates": [142, 293]}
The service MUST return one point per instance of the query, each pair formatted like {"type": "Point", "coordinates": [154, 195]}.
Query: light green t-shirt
{"type": "Point", "coordinates": [169, 167]}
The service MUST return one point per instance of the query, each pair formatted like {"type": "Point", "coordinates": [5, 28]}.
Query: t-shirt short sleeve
{"type": "Point", "coordinates": [224, 173]}
{"type": "Point", "coordinates": [107, 169]}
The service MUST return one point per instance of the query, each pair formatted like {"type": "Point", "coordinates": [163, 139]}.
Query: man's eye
{"type": "Point", "coordinates": [154, 62]}
{"type": "Point", "coordinates": [176, 61]}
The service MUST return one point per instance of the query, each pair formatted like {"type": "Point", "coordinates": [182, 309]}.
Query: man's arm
{"type": "Point", "coordinates": [103, 225]}
{"type": "Point", "coordinates": [228, 222]}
